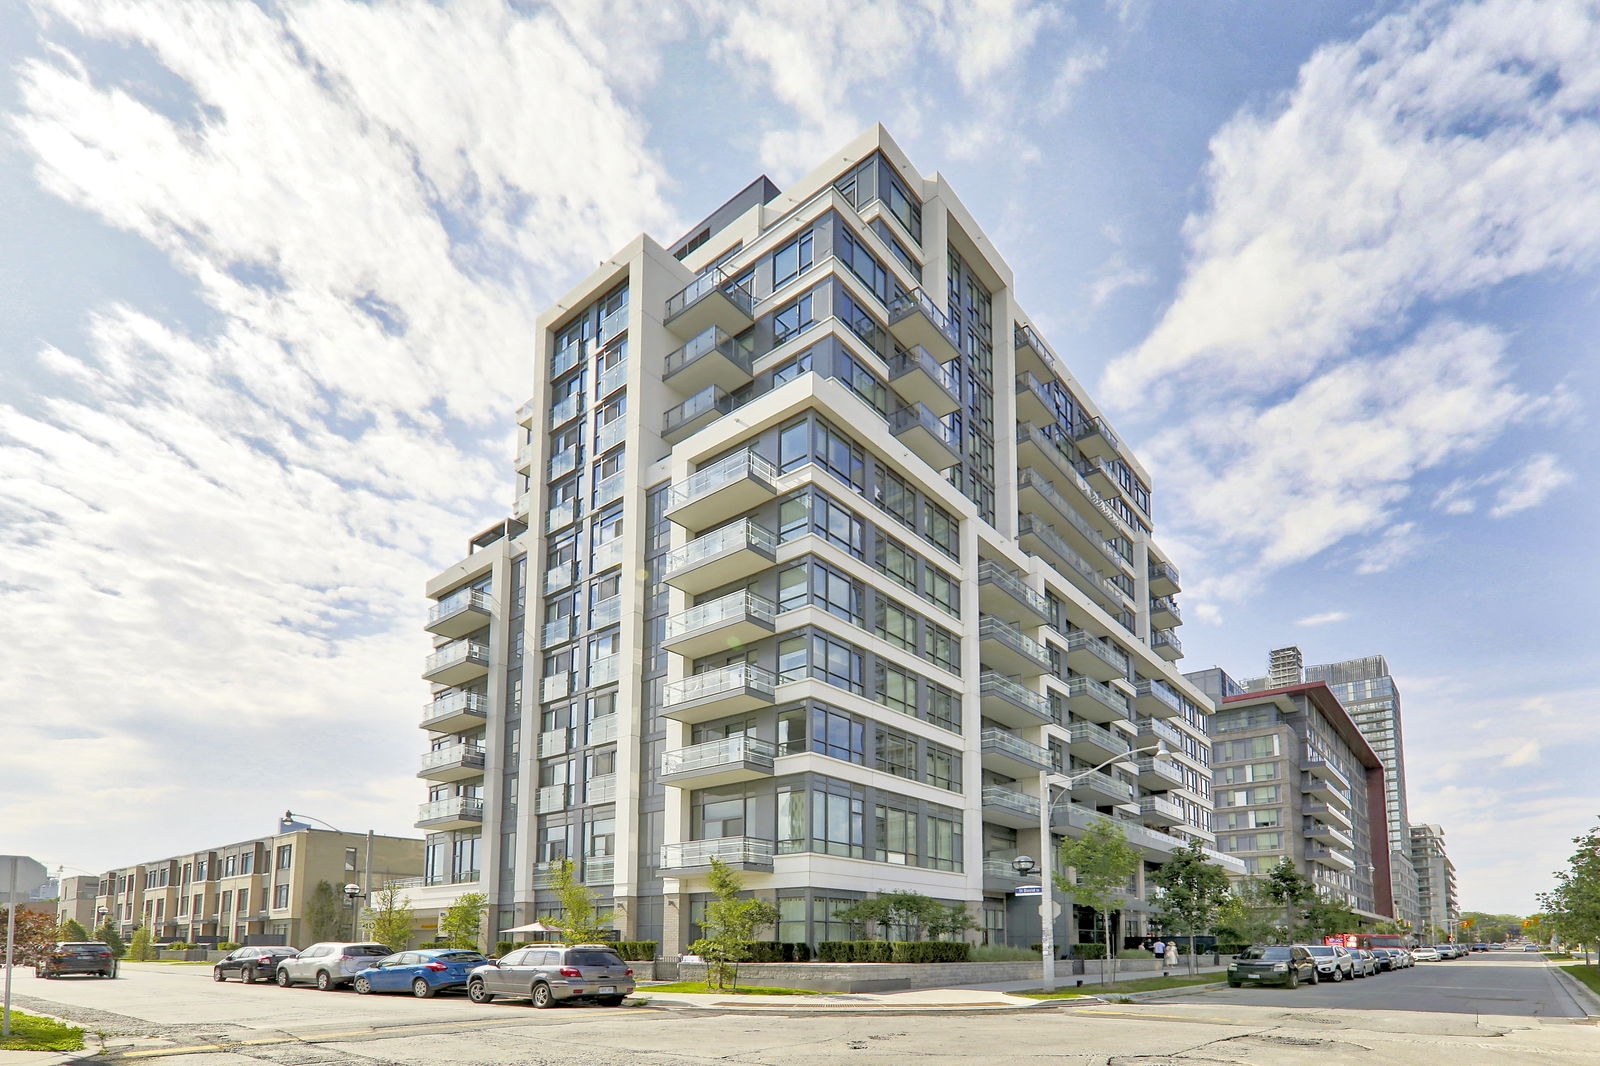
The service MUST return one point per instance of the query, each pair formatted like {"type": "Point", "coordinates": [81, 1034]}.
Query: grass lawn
{"type": "Point", "coordinates": [32, 1033]}
{"type": "Point", "coordinates": [1556, 956]}
{"type": "Point", "coordinates": [1144, 984]}
{"type": "Point", "coordinates": [700, 987]}
{"type": "Point", "coordinates": [1589, 975]}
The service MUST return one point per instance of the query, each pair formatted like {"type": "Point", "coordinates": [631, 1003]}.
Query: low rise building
{"type": "Point", "coordinates": [75, 900]}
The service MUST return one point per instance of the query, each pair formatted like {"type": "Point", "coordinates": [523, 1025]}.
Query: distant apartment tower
{"type": "Point", "coordinates": [1436, 882]}
{"type": "Point", "coordinates": [1369, 693]}
{"type": "Point", "coordinates": [1292, 777]}
{"type": "Point", "coordinates": [819, 555]}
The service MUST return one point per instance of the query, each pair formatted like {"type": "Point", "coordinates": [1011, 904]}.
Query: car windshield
{"type": "Point", "coordinates": [367, 949]}
{"type": "Point", "coordinates": [594, 958]}
{"type": "Point", "coordinates": [460, 956]}
{"type": "Point", "coordinates": [1320, 950]}
{"type": "Point", "coordinates": [1251, 954]}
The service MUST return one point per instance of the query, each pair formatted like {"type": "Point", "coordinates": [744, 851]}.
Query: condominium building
{"type": "Point", "coordinates": [1369, 693]}
{"type": "Point", "coordinates": [75, 899]}
{"type": "Point", "coordinates": [819, 556]}
{"type": "Point", "coordinates": [253, 891]}
{"type": "Point", "coordinates": [1292, 777]}
{"type": "Point", "coordinates": [1436, 882]}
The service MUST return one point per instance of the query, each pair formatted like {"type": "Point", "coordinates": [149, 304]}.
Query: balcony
{"type": "Point", "coordinates": [458, 812]}
{"type": "Point", "coordinates": [610, 380]}
{"type": "Point", "coordinates": [1318, 766]}
{"type": "Point", "coordinates": [561, 464]}
{"type": "Point", "coordinates": [456, 762]}
{"type": "Point", "coordinates": [1095, 657]}
{"type": "Point", "coordinates": [1098, 788]}
{"type": "Point", "coordinates": [1163, 579]}
{"type": "Point", "coordinates": [1007, 806]}
{"type": "Point", "coordinates": [453, 712]}
{"type": "Point", "coordinates": [1009, 754]}
{"type": "Point", "coordinates": [1152, 843]}
{"type": "Point", "coordinates": [606, 554]}
{"type": "Point", "coordinates": [1328, 812]}
{"type": "Point", "coordinates": [1036, 494]}
{"type": "Point", "coordinates": [1165, 643]}
{"type": "Point", "coordinates": [456, 663]}
{"type": "Point", "coordinates": [723, 490]}
{"type": "Point", "coordinates": [1000, 876]}
{"type": "Point", "coordinates": [553, 742]}
{"type": "Point", "coordinates": [1095, 743]}
{"type": "Point", "coordinates": [1003, 648]}
{"type": "Point", "coordinates": [602, 789]}
{"type": "Point", "coordinates": [1040, 539]}
{"type": "Point", "coordinates": [610, 435]}
{"type": "Point", "coordinates": [561, 515]}
{"type": "Point", "coordinates": [918, 378]}
{"type": "Point", "coordinates": [610, 489]}
{"type": "Point", "coordinates": [1032, 351]}
{"type": "Point", "coordinates": [1005, 595]}
{"type": "Point", "coordinates": [916, 321]}
{"type": "Point", "coordinates": [1156, 699]}
{"type": "Point", "coordinates": [741, 853]}
{"type": "Point", "coordinates": [1012, 704]}
{"type": "Point", "coordinates": [560, 577]}
{"type": "Point", "coordinates": [603, 730]}
{"type": "Point", "coordinates": [713, 357]}
{"type": "Point", "coordinates": [724, 624]}
{"type": "Point", "coordinates": [732, 553]}
{"type": "Point", "coordinates": [930, 439]}
{"type": "Point", "coordinates": [550, 799]}
{"type": "Point", "coordinates": [1164, 613]}
{"type": "Point", "coordinates": [1096, 701]}
{"type": "Point", "coordinates": [606, 612]}
{"type": "Point", "coordinates": [1324, 790]}
{"type": "Point", "coordinates": [1158, 810]}
{"type": "Point", "coordinates": [1331, 858]}
{"type": "Point", "coordinates": [555, 687]}
{"type": "Point", "coordinates": [599, 870]}
{"type": "Point", "coordinates": [1057, 460]}
{"type": "Point", "coordinates": [462, 612]}
{"type": "Point", "coordinates": [1158, 775]}
{"type": "Point", "coordinates": [718, 762]}
{"type": "Point", "coordinates": [711, 301]}
{"type": "Point", "coordinates": [718, 693]}
{"type": "Point", "coordinates": [566, 409]}
{"type": "Point", "coordinates": [1034, 401]}
{"type": "Point", "coordinates": [604, 670]}
{"type": "Point", "coordinates": [1095, 439]}
{"type": "Point", "coordinates": [1153, 730]}
{"type": "Point", "coordinates": [695, 413]}
{"type": "Point", "coordinates": [1324, 833]}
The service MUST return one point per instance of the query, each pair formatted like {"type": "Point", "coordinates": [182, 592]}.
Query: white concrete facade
{"type": "Point", "coordinates": [818, 554]}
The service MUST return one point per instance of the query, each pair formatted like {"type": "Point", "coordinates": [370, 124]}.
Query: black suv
{"type": "Point", "coordinates": [78, 957]}
{"type": "Point", "coordinates": [247, 964]}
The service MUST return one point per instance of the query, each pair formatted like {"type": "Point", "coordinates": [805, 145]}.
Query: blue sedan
{"type": "Point", "coordinates": [422, 973]}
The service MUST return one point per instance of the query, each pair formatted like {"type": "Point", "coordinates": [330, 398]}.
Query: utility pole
{"type": "Point", "coordinates": [366, 887]}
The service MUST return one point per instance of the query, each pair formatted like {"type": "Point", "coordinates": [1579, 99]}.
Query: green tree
{"type": "Point", "coordinates": [322, 912]}
{"type": "Point", "coordinates": [1103, 862]}
{"type": "Point", "coordinates": [917, 915]}
{"type": "Point", "coordinates": [1249, 915]}
{"type": "Point", "coordinates": [1325, 916]}
{"type": "Point", "coordinates": [143, 947]}
{"type": "Point", "coordinates": [390, 920]}
{"type": "Point", "coordinates": [461, 925]}
{"type": "Point", "coordinates": [35, 936]}
{"type": "Point", "coordinates": [1290, 890]}
{"type": "Point", "coordinates": [107, 934]}
{"type": "Point", "coordinates": [73, 930]}
{"type": "Point", "coordinates": [729, 925]}
{"type": "Point", "coordinates": [582, 921]}
{"type": "Point", "coordinates": [1573, 906]}
{"type": "Point", "coordinates": [1193, 891]}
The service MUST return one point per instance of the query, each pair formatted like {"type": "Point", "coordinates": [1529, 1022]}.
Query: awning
{"type": "Point", "coordinates": [532, 927]}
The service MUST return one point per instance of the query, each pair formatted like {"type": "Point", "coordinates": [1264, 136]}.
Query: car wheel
{"type": "Point", "coordinates": [1233, 984]}
{"type": "Point", "coordinates": [1338, 975]}
{"type": "Point", "coordinates": [217, 975]}
{"type": "Point", "coordinates": [611, 1001]}
{"type": "Point", "coordinates": [542, 996]}
{"type": "Point", "coordinates": [1294, 979]}
{"type": "Point", "coordinates": [421, 989]}
{"type": "Point", "coordinates": [1316, 978]}
{"type": "Point", "coordinates": [478, 993]}
{"type": "Point", "coordinates": [324, 981]}
{"type": "Point", "coordinates": [363, 986]}
{"type": "Point", "coordinates": [283, 979]}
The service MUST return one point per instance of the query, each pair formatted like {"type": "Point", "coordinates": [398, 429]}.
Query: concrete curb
{"type": "Point", "coordinates": [1164, 993]}
{"type": "Point", "coordinates": [1579, 991]}
{"type": "Point", "coordinates": [865, 1009]}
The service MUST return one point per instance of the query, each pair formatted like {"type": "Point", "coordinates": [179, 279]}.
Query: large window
{"type": "Point", "coordinates": [895, 834]}
{"type": "Point", "coordinates": [791, 259]}
{"type": "Point", "coordinates": [838, 824]}
{"type": "Point", "coordinates": [944, 843]}
{"type": "Point", "coordinates": [792, 319]}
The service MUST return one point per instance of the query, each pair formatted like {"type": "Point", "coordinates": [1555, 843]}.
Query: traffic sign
{"type": "Point", "coordinates": [1028, 890]}
{"type": "Point", "coordinates": [19, 876]}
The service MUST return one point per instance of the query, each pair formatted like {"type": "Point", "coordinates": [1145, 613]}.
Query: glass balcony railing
{"type": "Point", "coordinates": [556, 632]}
{"type": "Point", "coordinates": [1013, 745]}
{"type": "Point", "coordinates": [918, 302]}
{"type": "Point", "coordinates": [605, 670]}
{"type": "Point", "coordinates": [456, 602]}
{"type": "Point", "coordinates": [613, 324]}
{"type": "Point", "coordinates": [553, 742]}
{"type": "Point", "coordinates": [466, 754]}
{"type": "Point", "coordinates": [456, 653]}
{"type": "Point", "coordinates": [723, 472]}
{"type": "Point", "coordinates": [1009, 799]}
{"type": "Point", "coordinates": [602, 789]}
{"type": "Point", "coordinates": [456, 807]}
{"type": "Point", "coordinates": [605, 612]}
{"type": "Point", "coordinates": [1069, 561]}
{"type": "Point", "coordinates": [603, 730]}
{"type": "Point", "coordinates": [555, 687]}
{"type": "Point", "coordinates": [1096, 427]}
{"type": "Point", "coordinates": [1161, 571]}
{"type": "Point", "coordinates": [992, 573]}
{"type": "Point", "coordinates": [565, 359]}
{"type": "Point", "coordinates": [717, 682]}
{"type": "Point", "coordinates": [456, 702]}
{"type": "Point", "coordinates": [1150, 689]}
{"type": "Point", "coordinates": [991, 628]}
{"type": "Point", "coordinates": [612, 380]}
{"type": "Point", "coordinates": [998, 685]}
{"type": "Point", "coordinates": [600, 870]}
{"type": "Point", "coordinates": [694, 853]}
{"type": "Point", "coordinates": [549, 799]}
{"type": "Point", "coordinates": [1098, 735]}
{"type": "Point", "coordinates": [1099, 647]}
{"type": "Point", "coordinates": [1102, 784]}
{"type": "Point", "coordinates": [563, 463]}
{"type": "Point", "coordinates": [559, 577]}
{"type": "Point", "coordinates": [610, 435]}
{"type": "Point", "coordinates": [1165, 638]}
{"type": "Point", "coordinates": [713, 399]}
{"type": "Point", "coordinates": [713, 340]}
{"type": "Point", "coordinates": [561, 516]}
{"type": "Point", "coordinates": [1036, 482]}
{"type": "Point", "coordinates": [715, 753]}
{"type": "Point", "coordinates": [731, 537]}
{"type": "Point", "coordinates": [721, 611]}
{"type": "Point", "coordinates": [1152, 729]}
{"type": "Point", "coordinates": [1166, 605]}
{"type": "Point", "coordinates": [1100, 692]}
{"type": "Point", "coordinates": [610, 489]}
{"type": "Point", "coordinates": [705, 285]}
{"type": "Point", "coordinates": [607, 555]}
{"type": "Point", "coordinates": [564, 411]}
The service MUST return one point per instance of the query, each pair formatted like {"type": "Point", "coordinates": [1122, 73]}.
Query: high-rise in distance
{"type": "Point", "coordinates": [819, 554]}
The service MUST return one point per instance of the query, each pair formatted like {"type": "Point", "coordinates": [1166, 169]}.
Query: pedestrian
{"type": "Point", "coordinates": [1160, 948]}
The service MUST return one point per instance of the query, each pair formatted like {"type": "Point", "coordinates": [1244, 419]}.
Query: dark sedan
{"type": "Point", "coordinates": [78, 957]}
{"type": "Point", "coordinates": [1286, 966]}
{"type": "Point", "coordinates": [250, 964]}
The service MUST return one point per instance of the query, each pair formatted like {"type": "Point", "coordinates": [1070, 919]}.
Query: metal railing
{"type": "Point", "coordinates": [741, 534]}
{"type": "Point", "coordinates": [603, 730]}
{"type": "Point", "coordinates": [692, 853]}
{"type": "Point", "coordinates": [713, 753]}
{"type": "Point", "coordinates": [918, 416]}
{"type": "Point", "coordinates": [599, 870]}
{"type": "Point", "coordinates": [552, 742]}
{"type": "Point", "coordinates": [991, 683]}
{"type": "Point", "coordinates": [605, 670]}
{"type": "Point", "coordinates": [916, 357]}
{"type": "Point", "coordinates": [716, 682]}
{"type": "Point", "coordinates": [1159, 730]}
{"type": "Point", "coordinates": [1165, 638]}
{"type": "Point", "coordinates": [1032, 479]}
{"type": "Point", "coordinates": [723, 472]}
{"type": "Point", "coordinates": [455, 807]}
{"type": "Point", "coordinates": [473, 703]}
{"type": "Point", "coordinates": [992, 628]}
{"type": "Point", "coordinates": [1010, 799]}
{"type": "Point", "coordinates": [706, 284]}
{"type": "Point", "coordinates": [466, 754]}
{"type": "Point", "coordinates": [713, 339]}
{"type": "Point", "coordinates": [1151, 805]}
{"type": "Point", "coordinates": [455, 653]}
{"type": "Point", "coordinates": [993, 573]}
{"type": "Point", "coordinates": [909, 303]}
{"type": "Point", "coordinates": [710, 398]}
{"type": "Point", "coordinates": [1100, 692]}
{"type": "Point", "coordinates": [1011, 744]}
{"type": "Point", "coordinates": [1102, 649]}
{"type": "Point", "coordinates": [1092, 426]}
{"type": "Point", "coordinates": [1097, 734]}
{"type": "Point", "coordinates": [1158, 690]}
{"type": "Point", "coordinates": [550, 798]}
{"type": "Point", "coordinates": [721, 611]}
{"type": "Point", "coordinates": [1101, 783]}
{"type": "Point", "coordinates": [1077, 567]}
{"type": "Point", "coordinates": [458, 601]}
{"type": "Point", "coordinates": [1166, 570]}
{"type": "Point", "coordinates": [602, 789]}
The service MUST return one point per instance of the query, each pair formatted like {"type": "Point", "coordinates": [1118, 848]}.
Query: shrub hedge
{"type": "Point", "coordinates": [775, 951]}
{"type": "Point", "coordinates": [902, 951]}
{"type": "Point", "coordinates": [227, 945]}
{"type": "Point", "coordinates": [637, 950]}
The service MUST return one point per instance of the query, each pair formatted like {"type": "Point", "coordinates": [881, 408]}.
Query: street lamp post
{"type": "Point", "coordinates": [1064, 782]}
{"type": "Point", "coordinates": [362, 891]}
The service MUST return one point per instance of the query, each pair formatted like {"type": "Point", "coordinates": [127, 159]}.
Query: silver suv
{"type": "Point", "coordinates": [548, 974]}
{"type": "Point", "coordinates": [329, 965]}
{"type": "Point", "coordinates": [1334, 963]}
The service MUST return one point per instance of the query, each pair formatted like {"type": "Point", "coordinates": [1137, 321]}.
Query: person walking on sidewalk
{"type": "Point", "coordinates": [1160, 949]}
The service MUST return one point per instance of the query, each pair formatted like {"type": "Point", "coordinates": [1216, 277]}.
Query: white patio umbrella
{"type": "Point", "coordinates": [532, 927]}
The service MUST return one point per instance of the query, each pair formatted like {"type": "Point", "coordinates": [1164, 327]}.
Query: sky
{"type": "Point", "coordinates": [269, 274]}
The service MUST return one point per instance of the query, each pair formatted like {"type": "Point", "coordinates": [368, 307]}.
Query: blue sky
{"type": "Point", "coordinates": [269, 272]}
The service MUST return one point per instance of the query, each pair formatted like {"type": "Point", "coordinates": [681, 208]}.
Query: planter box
{"type": "Point", "coordinates": [191, 955]}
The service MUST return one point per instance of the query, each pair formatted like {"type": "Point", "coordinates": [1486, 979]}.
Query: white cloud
{"type": "Point", "coordinates": [1324, 619]}
{"type": "Point", "coordinates": [1448, 149]}
{"type": "Point", "coordinates": [1525, 754]}
{"type": "Point", "coordinates": [1530, 486]}
{"type": "Point", "coordinates": [1077, 66]}
{"type": "Point", "coordinates": [1397, 544]}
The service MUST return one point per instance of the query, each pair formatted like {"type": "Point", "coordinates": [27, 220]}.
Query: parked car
{"type": "Point", "coordinates": [1426, 954]}
{"type": "Point", "coordinates": [1480, 947]}
{"type": "Point", "coordinates": [328, 965]}
{"type": "Point", "coordinates": [84, 957]}
{"type": "Point", "coordinates": [422, 973]}
{"type": "Point", "coordinates": [1333, 963]}
{"type": "Point", "coordinates": [1530, 947]}
{"type": "Point", "coordinates": [1364, 962]}
{"type": "Point", "coordinates": [1449, 951]}
{"type": "Point", "coordinates": [1387, 958]}
{"type": "Point", "coordinates": [549, 974]}
{"type": "Point", "coordinates": [248, 964]}
{"type": "Point", "coordinates": [1286, 966]}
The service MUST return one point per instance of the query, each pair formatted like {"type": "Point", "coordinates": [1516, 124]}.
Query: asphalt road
{"type": "Point", "coordinates": [1506, 983]}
